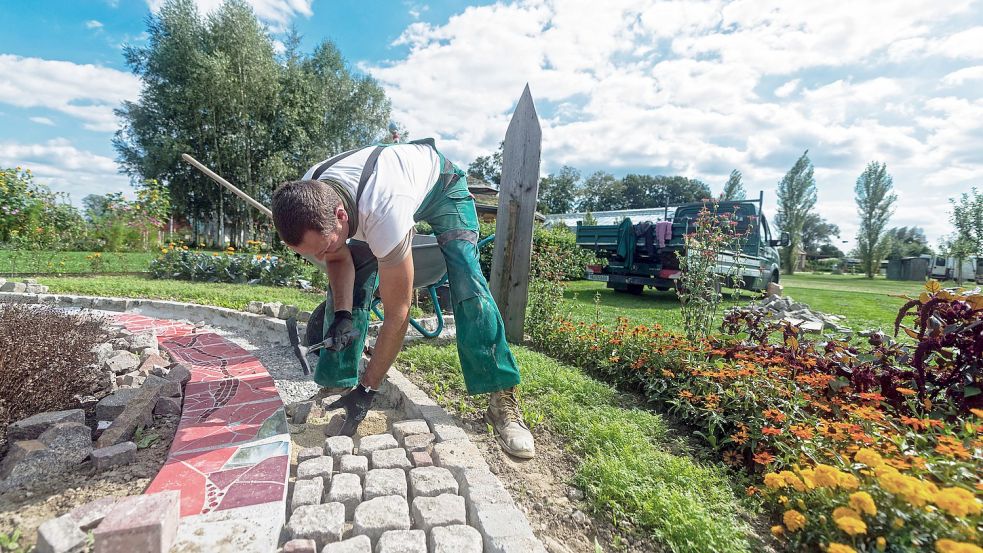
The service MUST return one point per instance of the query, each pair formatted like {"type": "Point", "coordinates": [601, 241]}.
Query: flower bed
{"type": "Point", "coordinates": [856, 447]}
{"type": "Point", "coordinates": [183, 264]}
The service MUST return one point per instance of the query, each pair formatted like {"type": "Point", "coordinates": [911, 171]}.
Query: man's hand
{"type": "Point", "coordinates": [356, 404]}
{"type": "Point", "coordinates": [340, 331]}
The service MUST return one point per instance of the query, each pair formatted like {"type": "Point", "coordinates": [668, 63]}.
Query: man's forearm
{"type": "Point", "coordinates": [341, 278]}
{"type": "Point", "coordinates": [387, 346]}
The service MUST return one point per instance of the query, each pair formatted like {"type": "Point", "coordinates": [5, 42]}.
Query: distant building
{"type": "Point", "coordinates": [614, 217]}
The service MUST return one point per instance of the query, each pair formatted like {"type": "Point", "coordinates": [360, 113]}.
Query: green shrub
{"type": "Point", "coordinates": [228, 266]}
{"type": "Point", "coordinates": [554, 252]}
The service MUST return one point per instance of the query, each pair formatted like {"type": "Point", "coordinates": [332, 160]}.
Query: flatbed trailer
{"type": "Point", "coordinates": [636, 259]}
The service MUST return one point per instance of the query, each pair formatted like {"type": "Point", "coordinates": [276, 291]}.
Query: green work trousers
{"type": "Point", "coordinates": [486, 360]}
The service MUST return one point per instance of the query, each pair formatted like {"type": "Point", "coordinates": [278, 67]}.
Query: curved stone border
{"type": "Point", "coordinates": [261, 328]}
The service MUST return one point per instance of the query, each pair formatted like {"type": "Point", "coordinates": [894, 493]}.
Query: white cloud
{"type": "Point", "coordinates": [961, 76]}
{"type": "Point", "coordinates": [277, 13]}
{"type": "Point", "coordinates": [701, 87]}
{"type": "Point", "coordinates": [788, 88]}
{"type": "Point", "coordinates": [62, 167]}
{"type": "Point", "coordinates": [93, 24]}
{"type": "Point", "coordinates": [86, 92]}
{"type": "Point", "coordinates": [43, 121]}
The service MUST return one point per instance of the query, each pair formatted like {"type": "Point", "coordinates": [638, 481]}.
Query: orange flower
{"type": "Point", "coordinates": [771, 431]}
{"type": "Point", "coordinates": [764, 458]}
{"type": "Point", "coordinates": [906, 391]}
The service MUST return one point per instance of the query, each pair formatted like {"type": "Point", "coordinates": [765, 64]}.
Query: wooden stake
{"type": "Point", "coordinates": [516, 211]}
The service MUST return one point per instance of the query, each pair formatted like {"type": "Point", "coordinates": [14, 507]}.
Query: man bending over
{"type": "Point", "coordinates": [356, 213]}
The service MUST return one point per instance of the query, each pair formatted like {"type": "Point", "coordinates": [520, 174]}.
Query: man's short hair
{"type": "Point", "coordinates": [302, 205]}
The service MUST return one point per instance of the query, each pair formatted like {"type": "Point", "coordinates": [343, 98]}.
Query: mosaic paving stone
{"type": "Point", "coordinates": [228, 477]}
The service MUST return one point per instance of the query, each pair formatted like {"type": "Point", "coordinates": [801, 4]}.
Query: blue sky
{"type": "Point", "coordinates": [694, 88]}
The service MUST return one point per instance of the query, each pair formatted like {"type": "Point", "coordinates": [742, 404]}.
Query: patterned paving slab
{"type": "Point", "coordinates": [232, 446]}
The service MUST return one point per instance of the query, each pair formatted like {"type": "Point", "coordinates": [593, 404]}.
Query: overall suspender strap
{"type": "Point", "coordinates": [350, 205]}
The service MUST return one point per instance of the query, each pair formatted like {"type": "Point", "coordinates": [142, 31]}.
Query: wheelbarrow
{"type": "Point", "coordinates": [429, 273]}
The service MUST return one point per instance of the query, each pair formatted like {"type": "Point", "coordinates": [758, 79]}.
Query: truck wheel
{"type": "Point", "coordinates": [775, 276]}
{"type": "Point", "coordinates": [662, 288]}
{"type": "Point", "coordinates": [636, 289]}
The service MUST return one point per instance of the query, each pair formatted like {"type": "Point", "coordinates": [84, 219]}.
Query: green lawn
{"type": "Point", "coordinates": [624, 465]}
{"type": "Point", "coordinates": [233, 296]}
{"type": "Point", "coordinates": [21, 261]}
{"type": "Point", "coordinates": [865, 303]}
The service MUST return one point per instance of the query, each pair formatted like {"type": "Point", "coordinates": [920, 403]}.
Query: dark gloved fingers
{"type": "Point", "coordinates": [341, 330]}
{"type": "Point", "coordinates": [356, 404]}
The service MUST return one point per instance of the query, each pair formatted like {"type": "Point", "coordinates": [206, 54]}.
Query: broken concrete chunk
{"type": "Point", "coordinates": [60, 535]}
{"type": "Point", "coordinates": [28, 461]}
{"type": "Point", "coordinates": [111, 456]}
{"type": "Point", "coordinates": [255, 307]}
{"type": "Point", "coordinates": [32, 427]}
{"type": "Point", "coordinates": [179, 373]}
{"type": "Point", "coordinates": [89, 515]}
{"type": "Point", "coordinates": [16, 287]}
{"type": "Point", "coordinates": [272, 309]}
{"type": "Point", "coordinates": [112, 405]}
{"type": "Point", "coordinates": [70, 440]}
{"type": "Point", "coordinates": [168, 406]}
{"type": "Point", "coordinates": [121, 362]}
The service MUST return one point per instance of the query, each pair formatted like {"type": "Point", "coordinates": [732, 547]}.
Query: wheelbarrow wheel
{"type": "Point", "coordinates": [315, 325]}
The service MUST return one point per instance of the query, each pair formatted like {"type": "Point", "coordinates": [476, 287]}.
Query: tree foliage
{"type": "Point", "coordinates": [967, 219]}
{"type": "Point", "coordinates": [734, 188]}
{"type": "Point", "coordinates": [796, 198]}
{"type": "Point", "coordinates": [488, 168]}
{"type": "Point", "coordinates": [557, 191]}
{"type": "Point", "coordinates": [906, 242]}
{"type": "Point", "coordinates": [875, 204]}
{"type": "Point", "coordinates": [213, 87]}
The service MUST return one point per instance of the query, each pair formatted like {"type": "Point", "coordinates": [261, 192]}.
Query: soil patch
{"type": "Point", "coordinates": [28, 509]}
{"type": "Point", "coordinates": [541, 486]}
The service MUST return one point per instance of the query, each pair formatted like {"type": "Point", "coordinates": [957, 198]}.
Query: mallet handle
{"type": "Point", "coordinates": [211, 174]}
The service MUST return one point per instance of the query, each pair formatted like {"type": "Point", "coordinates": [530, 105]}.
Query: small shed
{"type": "Point", "coordinates": [914, 268]}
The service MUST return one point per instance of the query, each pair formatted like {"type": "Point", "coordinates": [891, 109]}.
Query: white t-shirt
{"type": "Point", "coordinates": [403, 176]}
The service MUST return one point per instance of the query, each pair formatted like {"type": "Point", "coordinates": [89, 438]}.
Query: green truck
{"type": "Point", "coordinates": [636, 258]}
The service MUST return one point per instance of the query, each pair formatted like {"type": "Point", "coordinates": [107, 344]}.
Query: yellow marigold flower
{"type": "Point", "coordinates": [863, 502]}
{"type": "Point", "coordinates": [808, 478]}
{"type": "Point", "coordinates": [881, 543]}
{"type": "Point", "coordinates": [897, 523]}
{"type": "Point", "coordinates": [783, 499]}
{"type": "Point", "coordinates": [774, 481]}
{"type": "Point", "coordinates": [792, 480]}
{"type": "Point", "coordinates": [777, 530]}
{"type": "Point", "coordinates": [868, 457]}
{"type": "Point", "coordinates": [841, 512]}
{"type": "Point", "coordinates": [163, 250]}
{"type": "Point", "coordinates": [852, 525]}
{"type": "Point", "coordinates": [848, 481]}
{"type": "Point", "coordinates": [957, 502]}
{"type": "Point", "coordinates": [840, 548]}
{"type": "Point", "coordinates": [214, 254]}
{"type": "Point", "coordinates": [826, 476]}
{"type": "Point", "coordinates": [952, 546]}
{"type": "Point", "coordinates": [794, 520]}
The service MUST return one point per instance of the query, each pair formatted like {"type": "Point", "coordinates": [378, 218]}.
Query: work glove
{"type": "Point", "coordinates": [356, 403]}
{"type": "Point", "coordinates": [341, 331]}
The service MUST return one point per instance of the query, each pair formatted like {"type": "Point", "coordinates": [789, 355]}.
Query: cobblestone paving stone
{"type": "Point", "coordinates": [398, 498]}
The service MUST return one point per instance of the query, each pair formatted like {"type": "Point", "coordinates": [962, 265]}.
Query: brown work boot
{"type": "Point", "coordinates": [510, 430]}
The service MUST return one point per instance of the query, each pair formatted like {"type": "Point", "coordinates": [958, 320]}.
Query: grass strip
{"type": "Point", "coordinates": [233, 296]}
{"type": "Point", "coordinates": [624, 468]}
{"type": "Point", "coordinates": [23, 261]}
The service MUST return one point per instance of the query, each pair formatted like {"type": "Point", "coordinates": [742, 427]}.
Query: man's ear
{"type": "Point", "coordinates": [341, 214]}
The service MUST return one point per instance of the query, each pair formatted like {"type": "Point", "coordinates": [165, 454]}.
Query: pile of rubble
{"type": "Point", "coordinates": [135, 383]}
{"type": "Point", "coordinates": [786, 309]}
{"type": "Point", "coordinates": [278, 310]}
{"type": "Point", "coordinates": [28, 285]}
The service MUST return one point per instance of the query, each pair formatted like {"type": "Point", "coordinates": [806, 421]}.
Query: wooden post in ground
{"type": "Point", "coordinates": [516, 211]}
